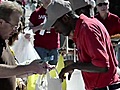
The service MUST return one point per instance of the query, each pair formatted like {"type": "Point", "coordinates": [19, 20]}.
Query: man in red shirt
{"type": "Point", "coordinates": [96, 55]}
{"type": "Point", "coordinates": [47, 44]}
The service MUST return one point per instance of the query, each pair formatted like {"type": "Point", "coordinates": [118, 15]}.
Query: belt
{"type": "Point", "coordinates": [110, 87]}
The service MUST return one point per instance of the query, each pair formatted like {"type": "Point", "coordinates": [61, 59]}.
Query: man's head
{"type": "Point", "coordinates": [102, 6]}
{"type": "Point", "coordinates": [10, 13]}
{"type": "Point", "coordinates": [56, 10]}
{"type": "Point", "coordinates": [60, 16]}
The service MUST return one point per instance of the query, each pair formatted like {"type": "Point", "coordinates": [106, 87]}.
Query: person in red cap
{"type": "Point", "coordinates": [97, 60]}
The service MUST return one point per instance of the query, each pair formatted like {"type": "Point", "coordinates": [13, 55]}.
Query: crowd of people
{"type": "Point", "coordinates": [88, 29]}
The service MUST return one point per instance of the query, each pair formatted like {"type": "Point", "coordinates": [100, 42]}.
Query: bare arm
{"type": "Point", "coordinates": [9, 71]}
{"type": "Point", "coordinates": [35, 28]}
{"type": "Point", "coordinates": [35, 67]}
{"type": "Point", "coordinates": [86, 67]}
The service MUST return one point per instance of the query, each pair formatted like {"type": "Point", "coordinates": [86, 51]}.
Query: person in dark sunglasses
{"type": "Point", "coordinates": [110, 21]}
{"type": "Point", "coordinates": [102, 4]}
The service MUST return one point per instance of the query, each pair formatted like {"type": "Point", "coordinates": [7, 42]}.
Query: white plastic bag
{"type": "Point", "coordinates": [24, 50]}
{"type": "Point", "coordinates": [46, 82]}
{"type": "Point", "coordinates": [41, 83]}
{"type": "Point", "coordinates": [72, 84]}
{"type": "Point", "coordinates": [54, 83]}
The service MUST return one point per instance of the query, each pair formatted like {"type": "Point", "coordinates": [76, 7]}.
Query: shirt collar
{"type": "Point", "coordinates": [78, 25]}
{"type": "Point", "coordinates": [108, 15]}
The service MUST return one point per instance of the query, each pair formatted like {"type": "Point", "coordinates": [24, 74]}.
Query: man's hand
{"type": "Point", "coordinates": [38, 67]}
{"type": "Point", "coordinates": [68, 69]}
{"type": "Point", "coordinates": [27, 36]}
{"type": "Point", "coordinates": [61, 74]}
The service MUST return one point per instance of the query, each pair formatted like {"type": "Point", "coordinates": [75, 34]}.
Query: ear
{"type": "Point", "coordinates": [65, 18]}
{"type": "Point", "coordinates": [1, 21]}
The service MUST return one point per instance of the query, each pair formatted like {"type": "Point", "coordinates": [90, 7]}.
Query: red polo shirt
{"type": "Point", "coordinates": [112, 23]}
{"type": "Point", "coordinates": [94, 45]}
{"type": "Point", "coordinates": [48, 40]}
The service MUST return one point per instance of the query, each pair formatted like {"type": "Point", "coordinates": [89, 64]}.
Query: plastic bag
{"type": "Point", "coordinates": [48, 83]}
{"type": "Point", "coordinates": [31, 81]}
{"type": "Point", "coordinates": [54, 83]}
{"type": "Point", "coordinates": [72, 84]}
{"type": "Point", "coordinates": [59, 66]}
{"type": "Point", "coordinates": [24, 50]}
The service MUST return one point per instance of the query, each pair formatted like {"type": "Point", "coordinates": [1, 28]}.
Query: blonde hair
{"type": "Point", "coordinates": [7, 8]}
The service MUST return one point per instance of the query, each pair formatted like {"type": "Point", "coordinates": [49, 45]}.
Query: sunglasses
{"type": "Point", "coordinates": [101, 4]}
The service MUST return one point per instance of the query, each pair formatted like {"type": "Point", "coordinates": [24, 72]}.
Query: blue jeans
{"type": "Point", "coordinates": [48, 55]}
